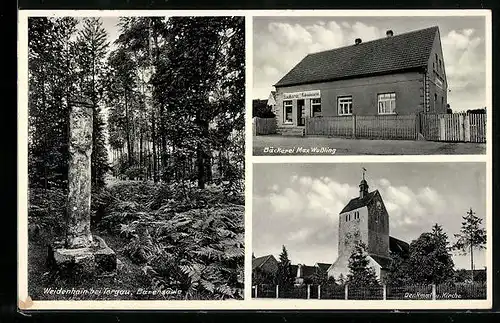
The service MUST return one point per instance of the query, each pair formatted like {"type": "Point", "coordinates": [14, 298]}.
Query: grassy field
{"type": "Point", "coordinates": [288, 145]}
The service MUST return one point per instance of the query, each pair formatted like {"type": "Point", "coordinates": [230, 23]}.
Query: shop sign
{"type": "Point", "coordinates": [302, 95]}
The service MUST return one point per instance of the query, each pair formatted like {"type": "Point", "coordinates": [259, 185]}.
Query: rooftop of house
{"type": "Point", "coordinates": [306, 271]}
{"type": "Point", "coordinates": [323, 266]}
{"type": "Point", "coordinates": [398, 246]}
{"type": "Point", "coordinates": [357, 202]}
{"type": "Point", "coordinates": [258, 262]}
{"type": "Point", "coordinates": [381, 56]}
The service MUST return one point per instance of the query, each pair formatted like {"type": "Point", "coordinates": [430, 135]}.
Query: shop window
{"type": "Point", "coordinates": [387, 103]}
{"type": "Point", "coordinates": [287, 111]}
{"type": "Point", "coordinates": [315, 107]}
{"type": "Point", "coordinates": [344, 105]}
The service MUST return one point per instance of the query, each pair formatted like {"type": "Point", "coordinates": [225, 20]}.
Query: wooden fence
{"type": "Point", "coordinates": [456, 127]}
{"type": "Point", "coordinates": [330, 126]}
{"type": "Point", "coordinates": [386, 127]}
{"type": "Point", "coordinates": [372, 127]}
{"type": "Point", "coordinates": [264, 126]}
{"type": "Point", "coordinates": [382, 292]}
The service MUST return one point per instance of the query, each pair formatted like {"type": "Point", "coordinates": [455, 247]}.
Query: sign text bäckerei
{"type": "Point", "coordinates": [302, 95]}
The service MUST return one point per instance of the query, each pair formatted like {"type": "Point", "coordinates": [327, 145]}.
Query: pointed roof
{"type": "Point", "coordinates": [358, 202]}
{"type": "Point", "coordinates": [307, 270]}
{"type": "Point", "coordinates": [381, 56]}
{"type": "Point", "coordinates": [398, 246]}
{"type": "Point", "coordinates": [260, 261]}
{"type": "Point", "coordinates": [323, 266]}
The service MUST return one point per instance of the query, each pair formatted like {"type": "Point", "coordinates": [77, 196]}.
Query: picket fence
{"type": "Point", "coordinates": [383, 292]}
{"type": "Point", "coordinates": [264, 126]}
{"type": "Point", "coordinates": [372, 127]}
{"type": "Point", "coordinates": [456, 127]}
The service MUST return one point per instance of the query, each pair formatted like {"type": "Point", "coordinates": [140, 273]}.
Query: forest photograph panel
{"type": "Point", "coordinates": [136, 144]}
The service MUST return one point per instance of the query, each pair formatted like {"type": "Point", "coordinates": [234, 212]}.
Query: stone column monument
{"type": "Point", "coordinates": [80, 252]}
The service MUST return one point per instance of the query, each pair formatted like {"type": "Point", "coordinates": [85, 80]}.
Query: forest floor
{"type": "Point", "coordinates": [340, 146]}
{"type": "Point", "coordinates": [153, 229]}
{"type": "Point", "coordinates": [126, 284]}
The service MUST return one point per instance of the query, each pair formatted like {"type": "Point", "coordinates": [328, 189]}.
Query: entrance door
{"type": "Point", "coordinates": [301, 113]}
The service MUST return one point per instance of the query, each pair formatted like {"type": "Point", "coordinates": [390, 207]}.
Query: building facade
{"type": "Point", "coordinates": [365, 219]}
{"type": "Point", "coordinates": [395, 75]}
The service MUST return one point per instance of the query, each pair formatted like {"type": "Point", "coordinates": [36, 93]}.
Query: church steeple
{"type": "Point", "coordinates": [363, 186]}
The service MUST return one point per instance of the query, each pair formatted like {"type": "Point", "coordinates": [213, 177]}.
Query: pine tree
{"type": "Point", "coordinates": [361, 274]}
{"type": "Point", "coordinates": [51, 79]}
{"type": "Point", "coordinates": [284, 275]}
{"type": "Point", "coordinates": [471, 237]}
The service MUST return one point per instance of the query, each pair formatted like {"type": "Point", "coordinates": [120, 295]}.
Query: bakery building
{"type": "Point", "coordinates": [396, 75]}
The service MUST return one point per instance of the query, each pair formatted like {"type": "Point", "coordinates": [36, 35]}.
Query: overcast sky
{"type": "Point", "coordinates": [297, 205]}
{"type": "Point", "coordinates": [279, 43]}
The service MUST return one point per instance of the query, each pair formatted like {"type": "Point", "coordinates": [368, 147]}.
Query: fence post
{"type": "Point", "coordinates": [319, 291]}
{"type": "Point", "coordinates": [467, 128]}
{"type": "Point", "coordinates": [461, 127]}
{"type": "Point", "coordinates": [418, 124]}
{"type": "Point", "coordinates": [256, 288]}
{"type": "Point", "coordinates": [384, 292]}
{"type": "Point", "coordinates": [346, 292]}
{"type": "Point", "coordinates": [277, 291]}
{"type": "Point", "coordinates": [308, 291]}
{"type": "Point", "coordinates": [306, 125]}
{"type": "Point", "coordinates": [353, 126]}
{"type": "Point", "coordinates": [433, 291]}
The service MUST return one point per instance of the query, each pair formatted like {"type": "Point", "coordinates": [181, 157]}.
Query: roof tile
{"type": "Point", "coordinates": [381, 56]}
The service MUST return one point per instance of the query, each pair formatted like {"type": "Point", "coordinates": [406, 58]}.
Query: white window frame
{"type": "Point", "coordinates": [386, 103]}
{"type": "Point", "coordinates": [287, 104]}
{"type": "Point", "coordinates": [344, 105]}
{"type": "Point", "coordinates": [315, 103]}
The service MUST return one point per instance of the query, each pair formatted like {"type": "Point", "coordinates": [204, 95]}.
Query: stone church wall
{"type": "Point", "coordinates": [378, 228]}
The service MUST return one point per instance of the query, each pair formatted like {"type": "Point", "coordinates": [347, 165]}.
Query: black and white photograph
{"type": "Point", "coordinates": [136, 147]}
{"type": "Point", "coordinates": [370, 231]}
{"type": "Point", "coordinates": [370, 85]}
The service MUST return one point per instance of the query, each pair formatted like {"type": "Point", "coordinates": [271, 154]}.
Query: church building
{"type": "Point", "coordinates": [365, 218]}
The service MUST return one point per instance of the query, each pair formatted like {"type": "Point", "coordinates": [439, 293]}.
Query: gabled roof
{"type": "Point", "coordinates": [398, 246]}
{"type": "Point", "coordinates": [381, 56]}
{"type": "Point", "coordinates": [323, 266]}
{"type": "Point", "coordinates": [357, 202]}
{"type": "Point", "coordinates": [307, 271]}
{"type": "Point", "coordinates": [260, 261]}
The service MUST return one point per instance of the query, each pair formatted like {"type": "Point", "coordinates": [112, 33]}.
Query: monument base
{"type": "Point", "coordinates": [89, 261]}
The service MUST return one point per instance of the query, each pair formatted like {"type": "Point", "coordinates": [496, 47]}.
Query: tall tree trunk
{"type": "Point", "coordinates": [127, 128]}
{"type": "Point", "coordinates": [141, 149]}
{"type": "Point", "coordinates": [153, 135]}
{"type": "Point", "coordinates": [472, 262]}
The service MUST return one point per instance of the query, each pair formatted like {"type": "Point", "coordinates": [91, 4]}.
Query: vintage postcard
{"type": "Point", "coordinates": [376, 85]}
{"type": "Point", "coordinates": [403, 232]}
{"type": "Point", "coordinates": [202, 160]}
{"type": "Point", "coordinates": [135, 134]}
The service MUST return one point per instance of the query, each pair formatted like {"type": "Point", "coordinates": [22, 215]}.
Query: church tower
{"type": "Point", "coordinates": [363, 219]}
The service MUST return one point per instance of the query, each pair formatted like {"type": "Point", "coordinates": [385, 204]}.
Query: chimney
{"type": "Point", "coordinates": [389, 33]}
{"type": "Point", "coordinates": [357, 41]}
